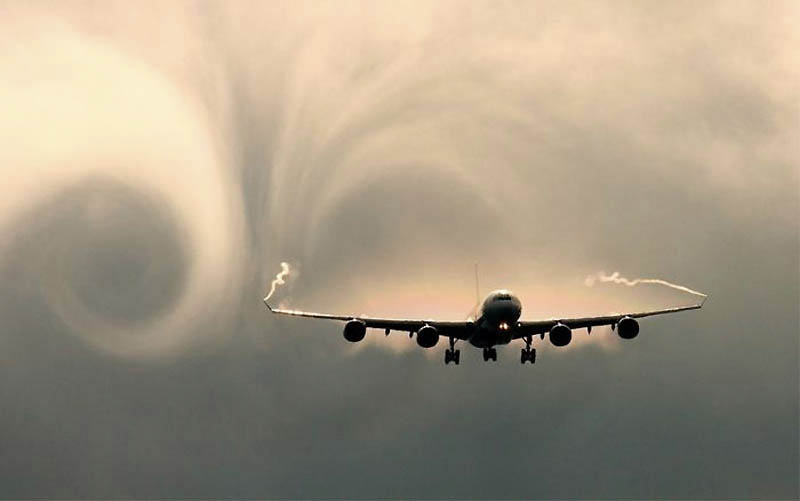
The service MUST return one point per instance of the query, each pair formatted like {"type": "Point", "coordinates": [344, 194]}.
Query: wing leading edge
{"type": "Point", "coordinates": [456, 329]}
{"type": "Point", "coordinates": [539, 327]}
{"type": "Point", "coordinates": [463, 329]}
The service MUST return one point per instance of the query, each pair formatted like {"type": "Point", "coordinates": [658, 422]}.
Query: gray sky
{"type": "Point", "coordinates": [159, 164]}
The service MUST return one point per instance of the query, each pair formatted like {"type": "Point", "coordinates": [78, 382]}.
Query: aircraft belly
{"type": "Point", "coordinates": [488, 337]}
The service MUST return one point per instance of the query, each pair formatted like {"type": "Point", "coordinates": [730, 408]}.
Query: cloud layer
{"type": "Point", "coordinates": [160, 164]}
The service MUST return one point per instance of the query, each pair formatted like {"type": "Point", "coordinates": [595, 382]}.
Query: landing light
{"type": "Point", "coordinates": [504, 326]}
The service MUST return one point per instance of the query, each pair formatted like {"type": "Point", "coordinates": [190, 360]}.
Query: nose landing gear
{"type": "Point", "coordinates": [528, 354]}
{"type": "Point", "coordinates": [489, 354]}
{"type": "Point", "coordinates": [452, 354]}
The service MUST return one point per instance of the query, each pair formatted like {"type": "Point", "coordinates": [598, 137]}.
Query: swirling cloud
{"type": "Point", "coordinates": [75, 108]}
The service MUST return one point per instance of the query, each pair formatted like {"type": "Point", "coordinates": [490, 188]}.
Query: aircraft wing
{"type": "Point", "coordinates": [540, 327]}
{"type": "Point", "coordinates": [457, 329]}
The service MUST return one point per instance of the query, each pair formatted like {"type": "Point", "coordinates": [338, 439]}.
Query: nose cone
{"type": "Point", "coordinates": [502, 308]}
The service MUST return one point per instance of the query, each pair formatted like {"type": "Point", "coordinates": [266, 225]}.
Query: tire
{"type": "Point", "coordinates": [457, 357]}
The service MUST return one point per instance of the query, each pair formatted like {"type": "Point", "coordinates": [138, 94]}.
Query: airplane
{"type": "Point", "coordinates": [496, 322]}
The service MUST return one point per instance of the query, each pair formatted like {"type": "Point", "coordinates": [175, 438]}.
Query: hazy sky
{"type": "Point", "coordinates": [159, 163]}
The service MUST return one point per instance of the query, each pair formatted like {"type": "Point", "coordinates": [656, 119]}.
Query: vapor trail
{"type": "Point", "coordinates": [279, 279]}
{"type": "Point", "coordinates": [617, 279]}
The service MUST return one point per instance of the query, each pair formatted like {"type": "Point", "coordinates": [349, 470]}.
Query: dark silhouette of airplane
{"type": "Point", "coordinates": [496, 322]}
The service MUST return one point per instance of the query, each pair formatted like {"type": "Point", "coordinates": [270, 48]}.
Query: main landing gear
{"type": "Point", "coordinates": [528, 353]}
{"type": "Point", "coordinates": [489, 354]}
{"type": "Point", "coordinates": [452, 354]}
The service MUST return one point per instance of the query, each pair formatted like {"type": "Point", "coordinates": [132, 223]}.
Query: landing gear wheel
{"type": "Point", "coordinates": [494, 354]}
{"type": "Point", "coordinates": [451, 355]}
{"type": "Point", "coordinates": [528, 355]}
{"type": "Point", "coordinates": [489, 354]}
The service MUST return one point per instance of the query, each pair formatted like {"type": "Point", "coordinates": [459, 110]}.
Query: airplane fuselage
{"type": "Point", "coordinates": [497, 319]}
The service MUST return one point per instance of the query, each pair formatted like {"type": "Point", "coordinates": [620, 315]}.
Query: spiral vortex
{"type": "Point", "coordinates": [130, 166]}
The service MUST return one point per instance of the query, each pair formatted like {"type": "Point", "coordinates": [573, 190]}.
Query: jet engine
{"type": "Point", "coordinates": [355, 330]}
{"type": "Point", "coordinates": [560, 335]}
{"type": "Point", "coordinates": [627, 328]}
{"type": "Point", "coordinates": [427, 336]}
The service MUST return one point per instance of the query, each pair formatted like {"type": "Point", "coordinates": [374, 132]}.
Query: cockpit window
{"type": "Point", "coordinates": [504, 297]}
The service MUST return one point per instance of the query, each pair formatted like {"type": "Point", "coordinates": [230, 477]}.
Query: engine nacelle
{"type": "Point", "coordinates": [427, 336]}
{"type": "Point", "coordinates": [628, 328]}
{"type": "Point", "coordinates": [355, 330]}
{"type": "Point", "coordinates": [560, 335]}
